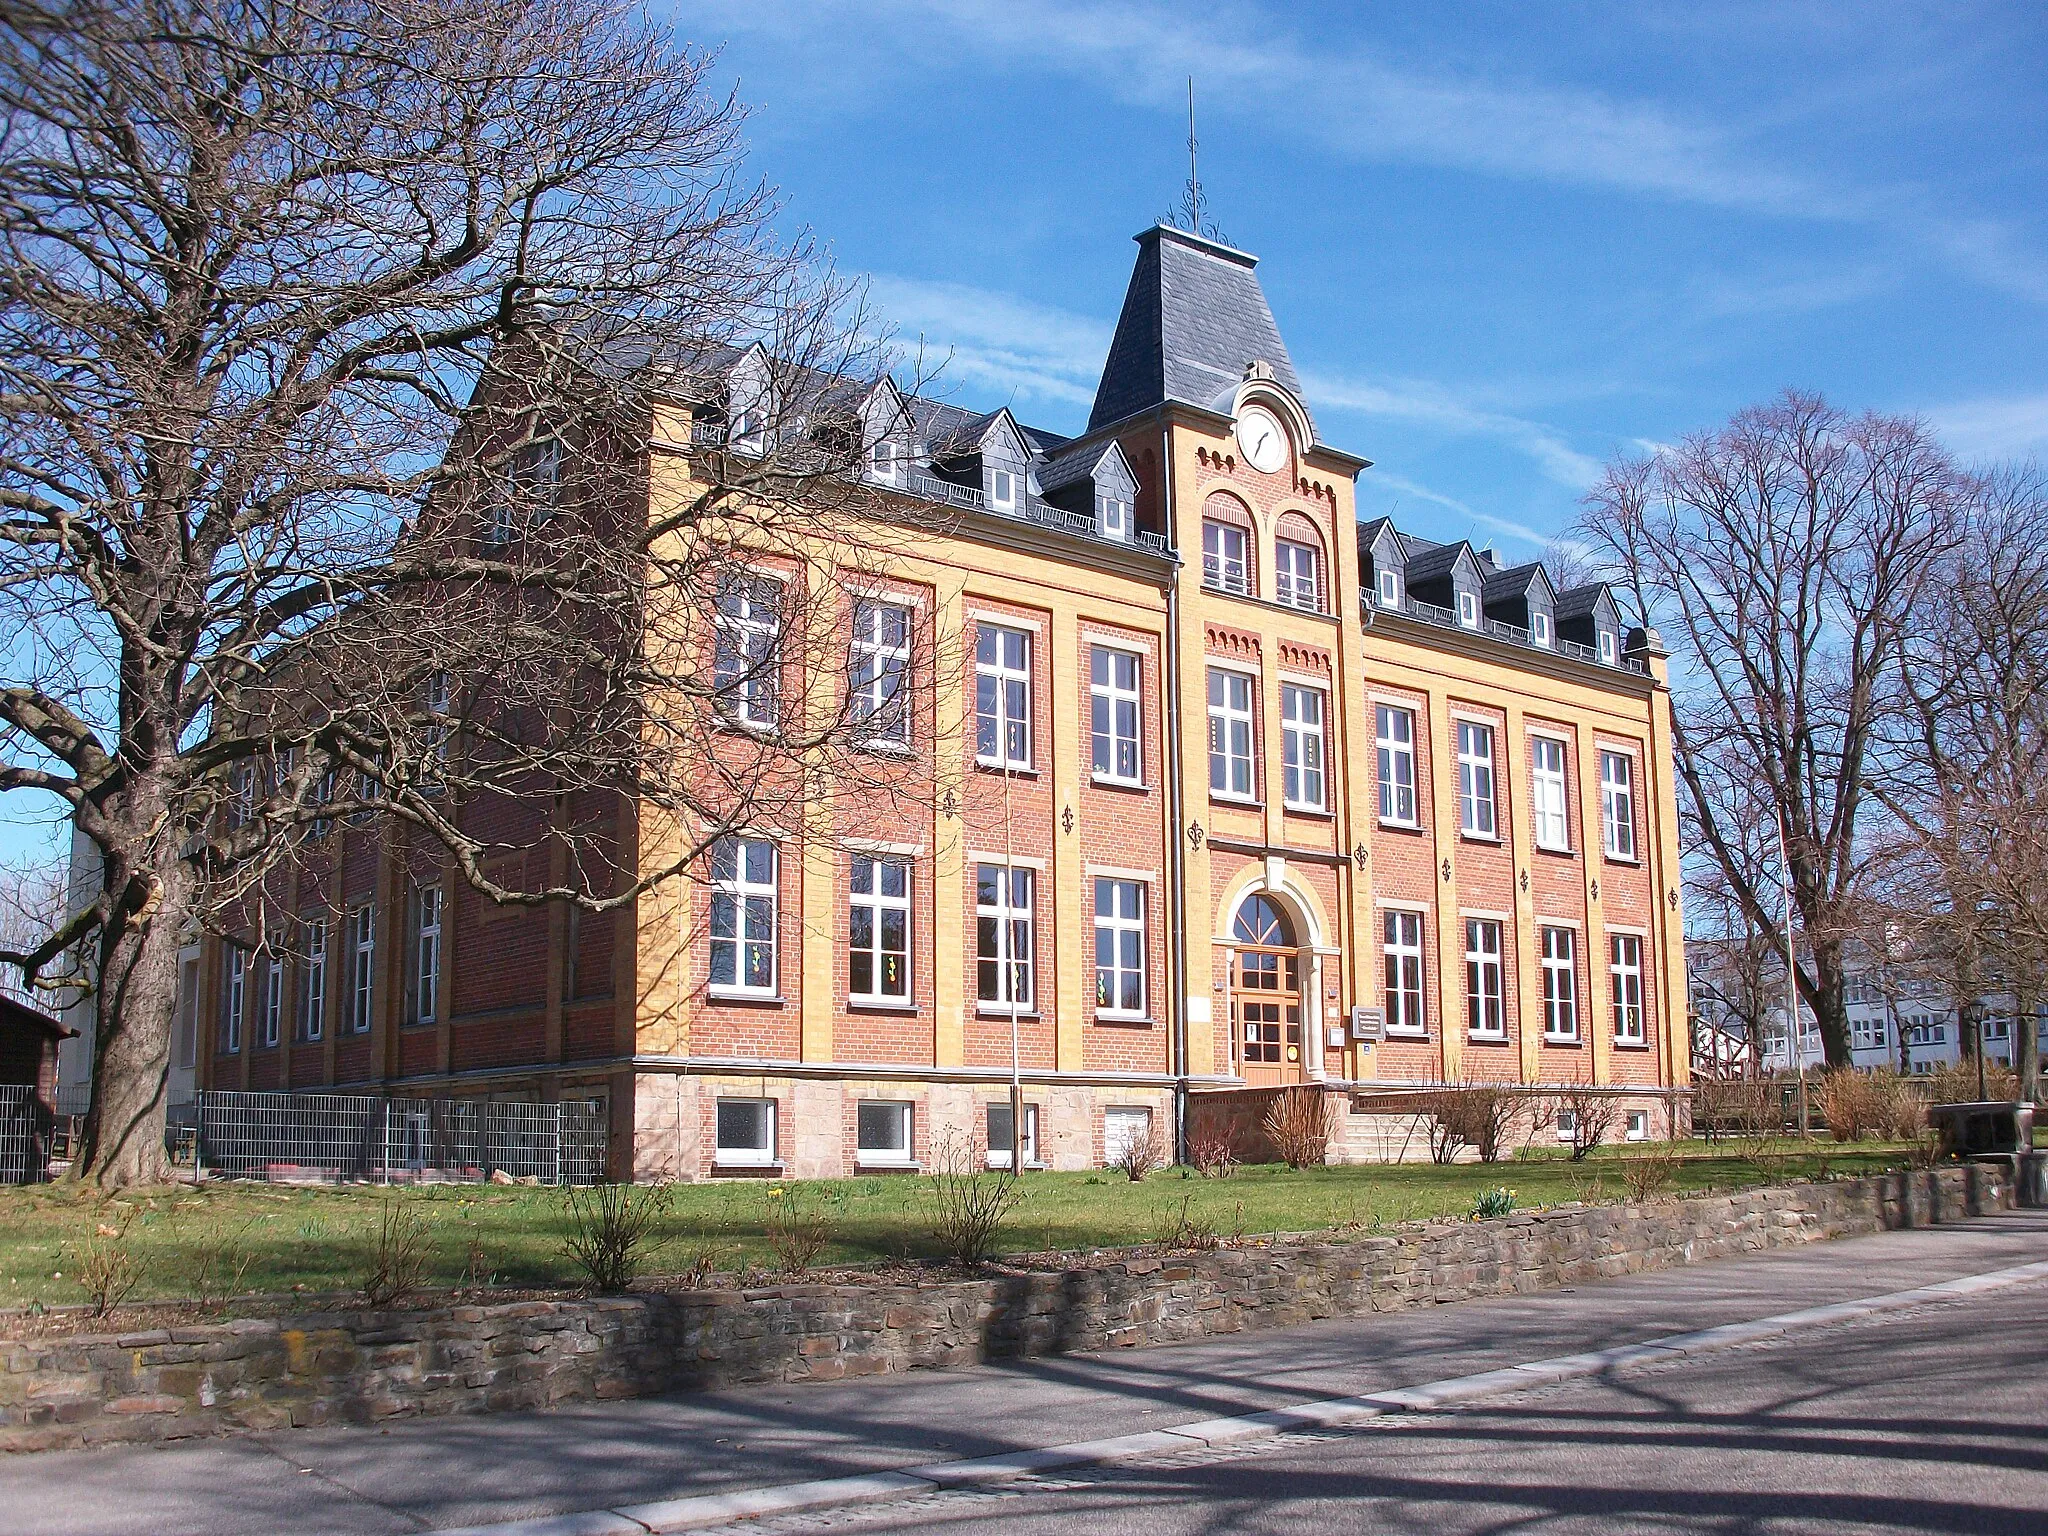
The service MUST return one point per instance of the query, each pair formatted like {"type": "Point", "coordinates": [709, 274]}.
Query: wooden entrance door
{"type": "Point", "coordinates": [1265, 994]}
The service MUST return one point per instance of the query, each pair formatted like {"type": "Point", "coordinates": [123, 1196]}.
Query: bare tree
{"type": "Point", "coordinates": [1786, 555]}
{"type": "Point", "coordinates": [332, 343]}
{"type": "Point", "coordinates": [1966, 765]}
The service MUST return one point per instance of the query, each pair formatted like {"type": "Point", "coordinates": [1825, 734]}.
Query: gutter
{"type": "Point", "coordinates": [1177, 942]}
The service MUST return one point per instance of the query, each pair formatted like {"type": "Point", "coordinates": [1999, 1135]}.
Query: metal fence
{"type": "Point", "coordinates": [24, 1136]}
{"type": "Point", "coordinates": [331, 1138]}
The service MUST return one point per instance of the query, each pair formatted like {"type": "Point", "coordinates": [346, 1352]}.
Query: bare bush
{"type": "Point", "coordinates": [1213, 1154]}
{"type": "Point", "coordinates": [224, 1261]}
{"type": "Point", "coordinates": [1139, 1157]}
{"type": "Point", "coordinates": [1955, 1082]}
{"type": "Point", "coordinates": [1473, 1115]}
{"type": "Point", "coordinates": [396, 1264]}
{"type": "Point", "coordinates": [1859, 1104]}
{"type": "Point", "coordinates": [1733, 1107]}
{"type": "Point", "coordinates": [1649, 1173]}
{"type": "Point", "coordinates": [1592, 1112]}
{"type": "Point", "coordinates": [1183, 1231]}
{"type": "Point", "coordinates": [1298, 1121]}
{"type": "Point", "coordinates": [970, 1202]}
{"type": "Point", "coordinates": [798, 1230]}
{"type": "Point", "coordinates": [613, 1228]}
{"type": "Point", "coordinates": [104, 1267]}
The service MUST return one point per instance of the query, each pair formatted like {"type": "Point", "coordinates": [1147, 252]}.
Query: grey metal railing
{"type": "Point", "coordinates": [1512, 634]}
{"type": "Point", "coordinates": [24, 1136]}
{"type": "Point", "coordinates": [333, 1138]}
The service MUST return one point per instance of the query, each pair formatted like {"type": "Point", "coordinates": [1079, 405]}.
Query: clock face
{"type": "Point", "coordinates": [1262, 438]}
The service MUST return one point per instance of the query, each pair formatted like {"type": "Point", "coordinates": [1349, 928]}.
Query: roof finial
{"type": "Point", "coordinates": [1190, 214]}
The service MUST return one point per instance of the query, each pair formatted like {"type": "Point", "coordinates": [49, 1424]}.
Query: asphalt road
{"type": "Point", "coordinates": [1864, 1412]}
{"type": "Point", "coordinates": [1932, 1420]}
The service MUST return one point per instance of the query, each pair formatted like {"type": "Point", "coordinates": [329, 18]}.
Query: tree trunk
{"type": "Point", "coordinates": [2026, 1048]}
{"type": "Point", "coordinates": [1830, 1007]}
{"type": "Point", "coordinates": [135, 1002]}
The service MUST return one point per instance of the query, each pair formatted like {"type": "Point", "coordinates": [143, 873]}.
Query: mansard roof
{"type": "Point", "coordinates": [1516, 582]}
{"type": "Point", "coordinates": [1577, 602]}
{"type": "Point", "coordinates": [1194, 318]}
{"type": "Point", "coordinates": [1437, 561]}
{"type": "Point", "coordinates": [1082, 463]}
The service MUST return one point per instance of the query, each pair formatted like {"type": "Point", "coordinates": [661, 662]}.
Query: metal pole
{"type": "Point", "coordinates": [1792, 1031]}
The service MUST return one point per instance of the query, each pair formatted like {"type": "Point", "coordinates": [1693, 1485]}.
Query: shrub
{"type": "Point", "coordinates": [1298, 1121]}
{"type": "Point", "coordinates": [1186, 1231]}
{"type": "Point", "coordinates": [1739, 1107]}
{"type": "Point", "coordinates": [1213, 1154]}
{"type": "Point", "coordinates": [1650, 1173]}
{"type": "Point", "coordinates": [104, 1268]}
{"type": "Point", "coordinates": [612, 1228]}
{"type": "Point", "coordinates": [1139, 1156]}
{"type": "Point", "coordinates": [970, 1202]}
{"type": "Point", "coordinates": [1593, 1112]}
{"type": "Point", "coordinates": [797, 1229]}
{"type": "Point", "coordinates": [1856, 1104]}
{"type": "Point", "coordinates": [224, 1260]}
{"type": "Point", "coordinates": [1956, 1083]}
{"type": "Point", "coordinates": [397, 1263]}
{"type": "Point", "coordinates": [1473, 1116]}
{"type": "Point", "coordinates": [1491, 1204]}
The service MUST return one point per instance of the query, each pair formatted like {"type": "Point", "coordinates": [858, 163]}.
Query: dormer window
{"type": "Point", "coordinates": [1390, 589]}
{"type": "Point", "coordinates": [1539, 627]}
{"type": "Point", "coordinates": [1002, 489]}
{"type": "Point", "coordinates": [1115, 518]}
{"type": "Point", "coordinates": [1468, 609]}
{"type": "Point", "coordinates": [882, 461]}
{"type": "Point", "coordinates": [1607, 646]}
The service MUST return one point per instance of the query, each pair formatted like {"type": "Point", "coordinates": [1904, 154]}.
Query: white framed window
{"type": "Point", "coordinates": [1231, 735]}
{"type": "Point", "coordinates": [1618, 804]}
{"type": "Point", "coordinates": [362, 968]}
{"type": "Point", "coordinates": [234, 997]}
{"type": "Point", "coordinates": [1637, 1125]}
{"type": "Point", "coordinates": [1868, 1034]}
{"type": "Point", "coordinates": [1002, 489]}
{"type": "Point", "coordinates": [744, 902]}
{"type": "Point", "coordinates": [1115, 709]}
{"type": "Point", "coordinates": [1485, 1005]}
{"type": "Point", "coordinates": [747, 657]}
{"type": "Point", "coordinates": [1002, 697]}
{"type": "Point", "coordinates": [878, 930]}
{"type": "Point", "coordinates": [1120, 947]}
{"type": "Point", "coordinates": [1625, 973]}
{"type": "Point", "coordinates": [1607, 646]}
{"type": "Point", "coordinates": [312, 978]}
{"type": "Point", "coordinates": [1224, 563]}
{"type": "Point", "coordinates": [1113, 518]}
{"type": "Point", "coordinates": [272, 1015]}
{"type": "Point", "coordinates": [999, 1137]}
{"type": "Point", "coordinates": [241, 794]}
{"type": "Point", "coordinates": [1124, 1127]}
{"type": "Point", "coordinates": [878, 660]}
{"type": "Point", "coordinates": [1395, 732]}
{"type": "Point", "coordinates": [1560, 985]}
{"type": "Point", "coordinates": [1567, 1124]}
{"type": "Point", "coordinates": [1390, 588]}
{"type": "Point", "coordinates": [1475, 779]}
{"type": "Point", "coordinates": [1546, 773]}
{"type": "Point", "coordinates": [426, 953]}
{"type": "Point", "coordinates": [1004, 942]}
{"type": "Point", "coordinates": [1539, 627]}
{"type": "Point", "coordinates": [882, 460]}
{"type": "Point", "coordinates": [881, 1133]}
{"type": "Point", "coordinates": [1468, 609]}
{"type": "Point", "coordinates": [1301, 742]}
{"type": "Point", "coordinates": [1296, 580]}
{"type": "Point", "coordinates": [745, 1133]}
{"type": "Point", "coordinates": [1402, 950]}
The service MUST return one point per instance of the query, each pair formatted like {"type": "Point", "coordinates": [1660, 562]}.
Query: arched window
{"type": "Point", "coordinates": [1260, 921]}
{"type": "Point", "coordinates": [1227, 545]}
{"type": "Point", "coordinates": [1298, 571]}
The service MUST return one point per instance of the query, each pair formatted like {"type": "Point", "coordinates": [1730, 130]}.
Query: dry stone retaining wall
{"type": "Point", "coordinates": [339, 1367]}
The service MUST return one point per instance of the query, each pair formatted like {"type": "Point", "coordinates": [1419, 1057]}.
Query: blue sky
{"type": "Point", "coordinates": [1503, 241]}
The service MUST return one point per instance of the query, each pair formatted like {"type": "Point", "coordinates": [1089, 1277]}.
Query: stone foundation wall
{"type": "Point", "coordinates": [361, 1367]}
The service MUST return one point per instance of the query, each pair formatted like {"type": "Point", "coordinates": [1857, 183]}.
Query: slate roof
{"type": "Point", "coordinates": [1516, 582]}
{"type": "Point", "coordinates": [1069, 468]}
{"type": "Point", "coordinates": [1193, 317]}
{"type": "Point", "coordinates": [1576, 602]}
{"type": "Point", "coordinates": [1436, 561]}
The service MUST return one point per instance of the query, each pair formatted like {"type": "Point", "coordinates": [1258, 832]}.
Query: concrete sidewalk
{"type": "Point", "coordinates": [430, 1474]}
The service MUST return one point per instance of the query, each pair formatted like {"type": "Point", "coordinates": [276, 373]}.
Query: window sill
{"type": "Point", "coordinates": [1001, 1011]}
{"type": "Point", "coordinates": [1222, 591]}
{"type": "Point", "coordinates": [1558, 853]}
{"type": "Point", "coordinates": [1387, 825]}
{"type": "Point", "coordinates": [1478, 1037]}
{"type": "Point", "coordinates": [1247, 802]}
{"type": "Point", "coordinates": [1002, 1165]}
{"type": "Point", "coordinates": [1624, 858]}
{"type": "Point", "coordinates": [756, 999]}
{"type": "Point", "coordinates": [1405, 1034]}
{"type": "Point", "coordinates": [764, 1170]}
{"type": "Point", "coordinates": [886, 1164]}
{"type": "Point", "coordinates": [1319, 812]}
{"type": "Point", "coordinates": [1571, 1040]}
{"type": "Point", "coordinates": [1007, 770]}
{"type": "Point", "coordinates": [1130, 786]}
{"type": "Point", "coordinates": [1124, 1020]}
{"type": "Point", "coordinates": [1491, 839]}
{"type": "Point", "coordinates": [902, 749]}
{"type": "Point", "coordinates": [880, 1005]}
{"type": "Point", "coordinates": [1632, 1045]}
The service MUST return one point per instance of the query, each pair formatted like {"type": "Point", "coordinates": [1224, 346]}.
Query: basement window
{"type": "Point", "coordinates": [882, 1133]}
{"type": "Point", "coordinates": [746, 1133]}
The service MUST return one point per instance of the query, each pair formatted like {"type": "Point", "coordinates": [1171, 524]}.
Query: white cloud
{"type": "Point", "coordinates": [2009, 427]}
{"type": "Point", "coordinates": [1431, 406]}
{"type": "Point", "coordinates": [1377, 480]}
{"type": "Point", "coordinates": [996, 340]}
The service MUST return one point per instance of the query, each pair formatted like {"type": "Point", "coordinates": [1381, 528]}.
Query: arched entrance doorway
{"type": "Point", "coordinates": [1265, 993]}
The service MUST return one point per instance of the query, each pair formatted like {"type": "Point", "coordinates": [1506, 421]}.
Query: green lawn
{"type": "Point", "coordinates": [317, 1239]}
